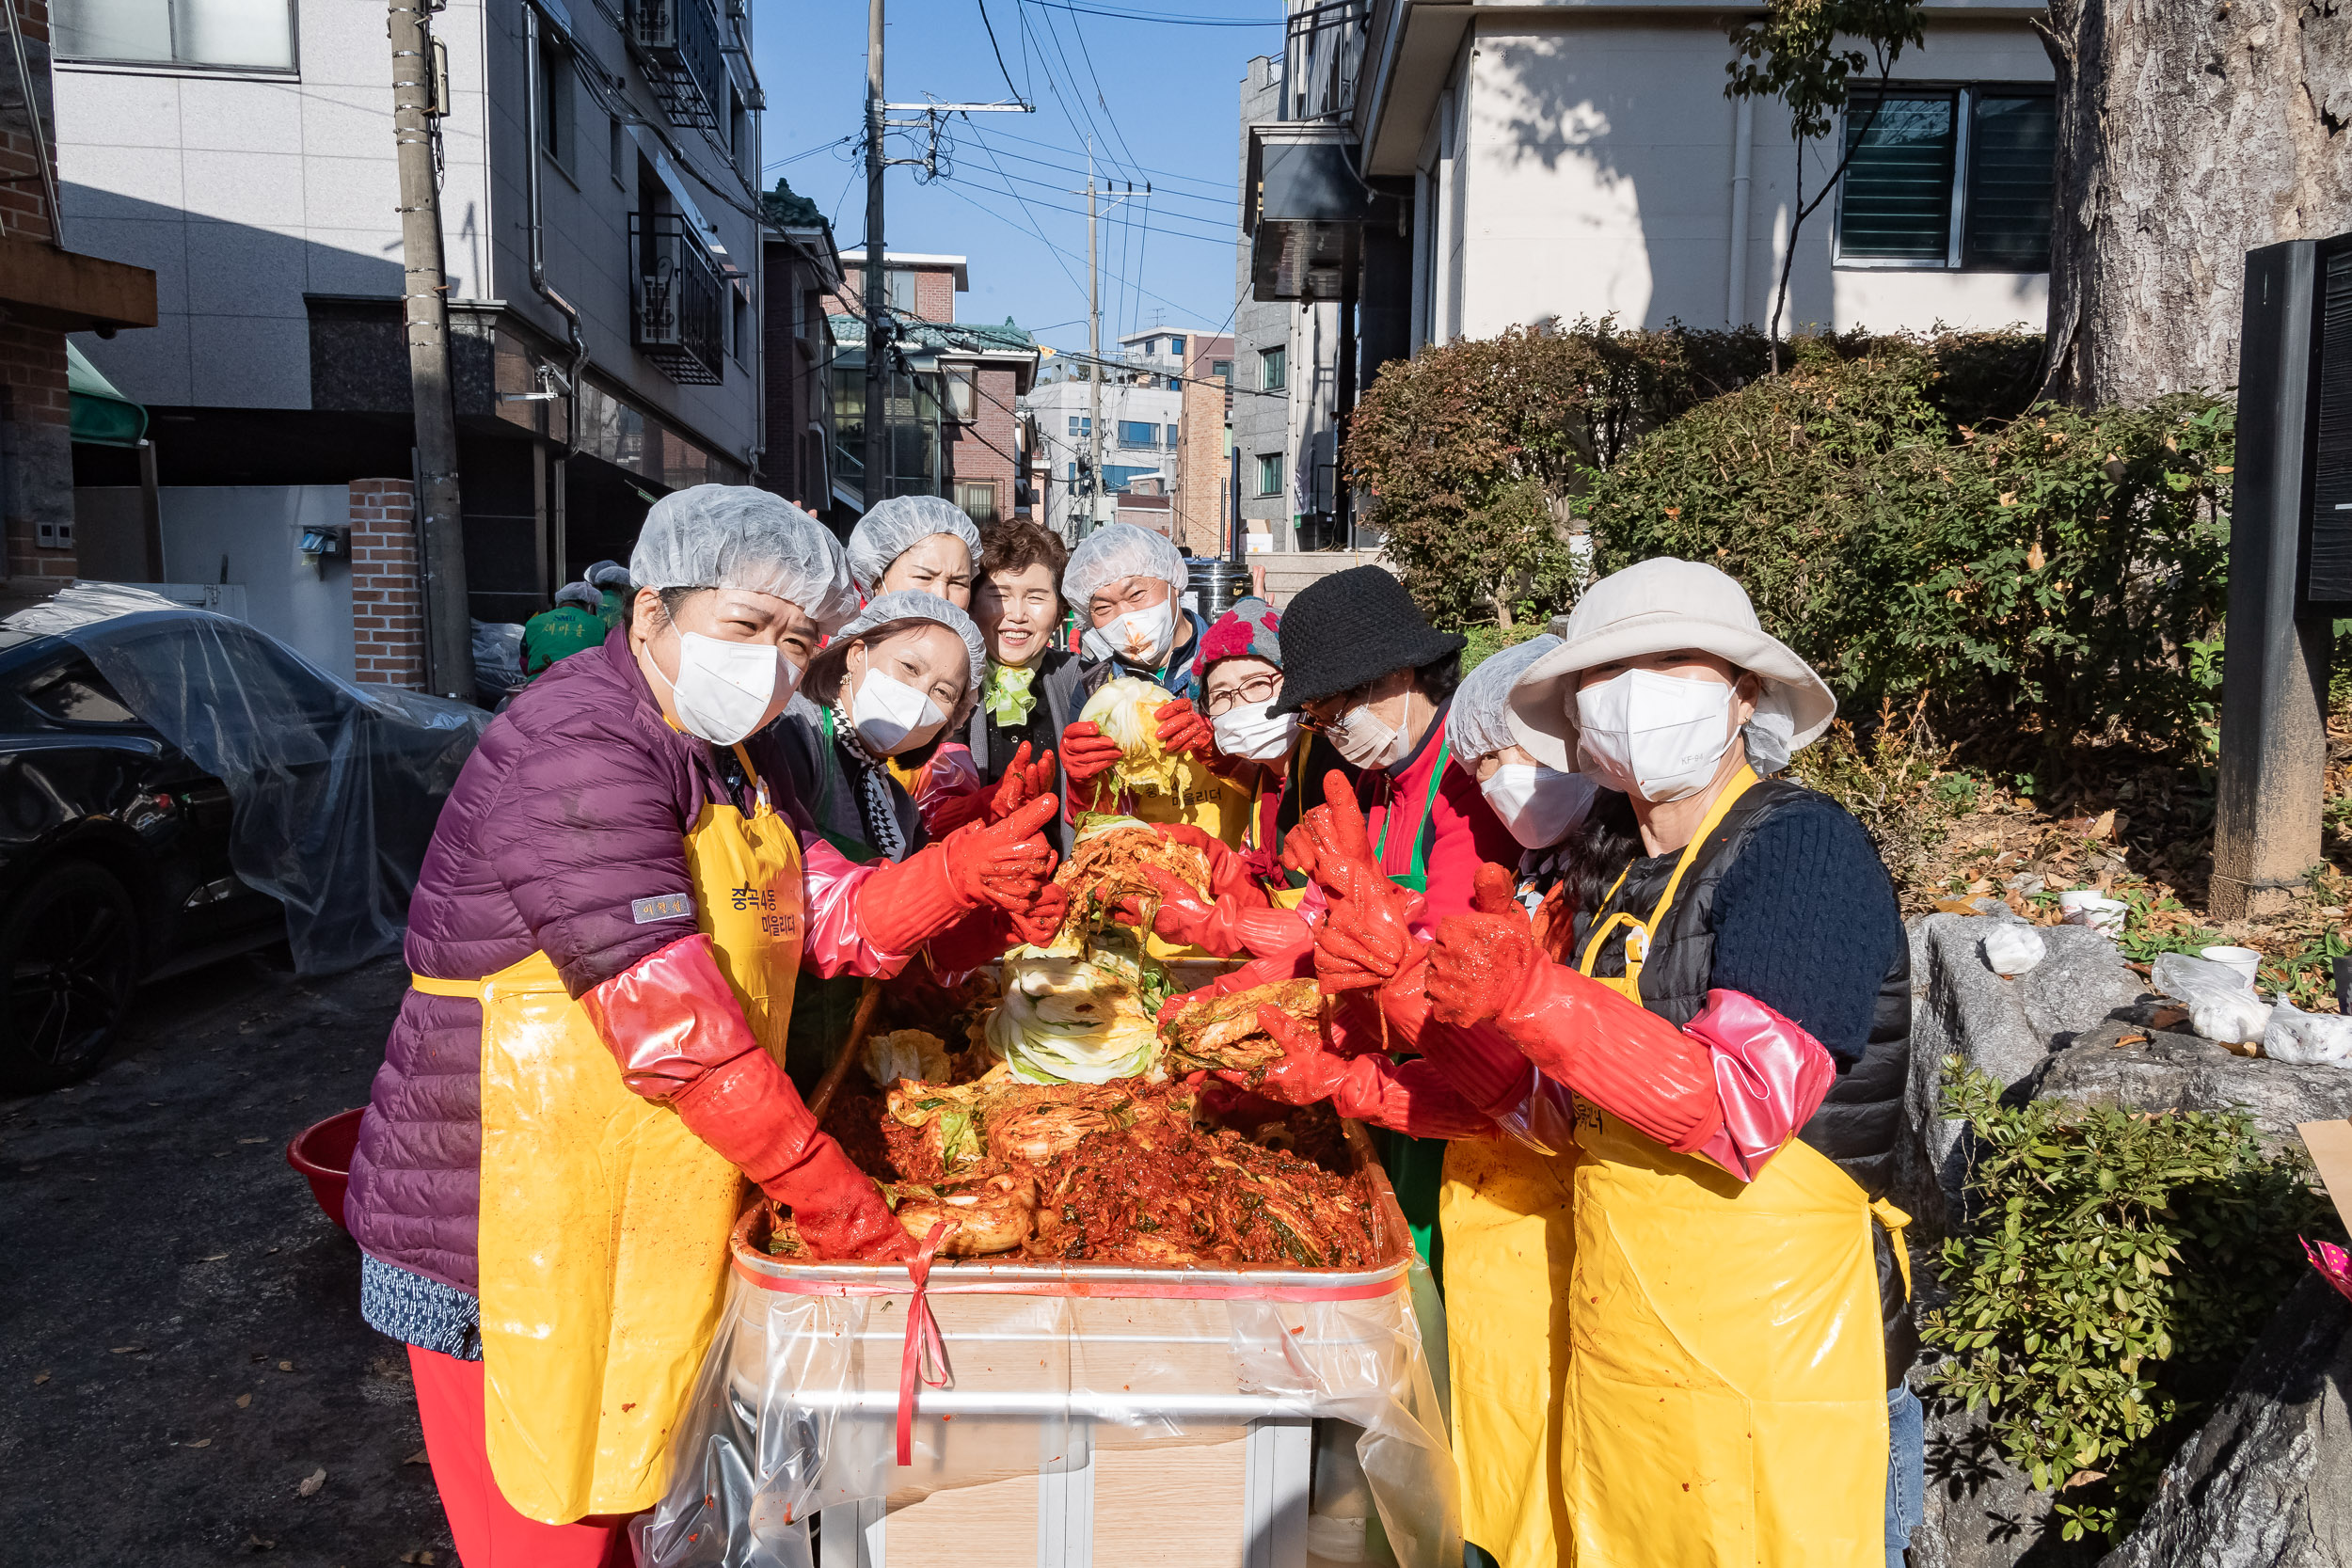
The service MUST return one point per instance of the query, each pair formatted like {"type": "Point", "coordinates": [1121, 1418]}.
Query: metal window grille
{"type": "Point", "coordinates": [679, 319]}
{"type": "Point", "coordinates": [677, 43]}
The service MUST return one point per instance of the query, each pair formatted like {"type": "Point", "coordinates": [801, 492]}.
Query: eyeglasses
{"type": "Point", "coordinates": [1341, 706]}
{"type": "Point", "coordinates": [1257, 688]}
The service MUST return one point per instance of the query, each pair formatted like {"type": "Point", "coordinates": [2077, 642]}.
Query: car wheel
{"type": "Point", "coordinates": [69, 951]}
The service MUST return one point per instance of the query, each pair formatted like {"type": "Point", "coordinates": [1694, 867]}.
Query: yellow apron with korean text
{"type": "Point", "coordinates": [1717, 1357]}
{"type": "Point", "coordinates": [604, 1221]}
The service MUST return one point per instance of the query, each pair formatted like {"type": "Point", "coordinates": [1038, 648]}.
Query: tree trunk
{"type": "Point", "coordinates": [2189, 132]}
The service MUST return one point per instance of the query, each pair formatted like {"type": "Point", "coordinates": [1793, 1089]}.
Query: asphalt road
{"type": "Point", "coordinates": [187, 1380]}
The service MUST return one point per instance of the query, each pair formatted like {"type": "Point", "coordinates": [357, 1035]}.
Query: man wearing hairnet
{"type": "Point", "coordinates": [1126, 584]}
{"type": "Point", "coordinates": [605, 941]}
{"type": "Point", "coordinates": [572, 627]}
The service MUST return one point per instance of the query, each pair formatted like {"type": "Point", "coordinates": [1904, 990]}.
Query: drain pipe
{"type": "Point", "coordinates": [1742, 156]}
{"type": "Point", "coordinates": [539, 249]}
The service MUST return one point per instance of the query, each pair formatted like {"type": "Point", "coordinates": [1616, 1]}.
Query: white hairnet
{"type": "Point", "coordinates": [1478, 724]}
{"type": "Point", "coordinates": [1119, 550]}
{"type": "Point", "coordinates": [734, 536]}
{"type": "Point", "coordinates": [912, 604]}
{"type": "Point", "coordinates": [607, 574]}
{"type": "Point", "coordinates": [898, 524]}
{"type": "Point", "coordinates": [585, 594]}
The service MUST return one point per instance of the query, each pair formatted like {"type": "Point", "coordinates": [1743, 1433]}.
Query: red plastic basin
{"type": "Point", "coordinates": [321, 1152]}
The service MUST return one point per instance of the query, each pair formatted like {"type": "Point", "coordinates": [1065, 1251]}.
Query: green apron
{"type": "Point", "coordinates": [1416, 1166]}
{"type": "Point", "coordinates": [823, 1008]}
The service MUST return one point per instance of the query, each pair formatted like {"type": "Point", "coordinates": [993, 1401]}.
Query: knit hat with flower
{"type": "Point", "coordinates": [1251, 630]}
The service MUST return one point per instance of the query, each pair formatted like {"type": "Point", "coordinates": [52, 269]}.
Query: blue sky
{"type": "Point", "coordinates": [1166, 114]}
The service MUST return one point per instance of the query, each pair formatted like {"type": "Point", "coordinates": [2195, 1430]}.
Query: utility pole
{"type": "Point", "coordinates": [441, 528]}
{"type": "Point", "coordinates": [1094, 361]}
{"type": "Point", "coordinates": [877, 300]}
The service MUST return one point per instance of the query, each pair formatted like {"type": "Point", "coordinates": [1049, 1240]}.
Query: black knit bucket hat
{"type": "Point", "coordinates": [1349, 630]}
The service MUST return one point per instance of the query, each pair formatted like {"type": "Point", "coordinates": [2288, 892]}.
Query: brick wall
{"type": "Point", "coordinates": [387, 601]}
{"type": "Point", "coordinates": [934, 293]}
{"type": "Point", "coordinates": [1202, 470]}
{"type": "Point", "coordinates": [35, 454]}
{"type": "Point", "coordinates": [983, 450]}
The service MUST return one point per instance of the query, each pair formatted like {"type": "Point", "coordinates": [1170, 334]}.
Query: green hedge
{"type": "Point", "coordinates": [2065, 564]}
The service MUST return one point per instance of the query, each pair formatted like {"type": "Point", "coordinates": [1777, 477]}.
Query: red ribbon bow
{"type": "Point", "coordinates": [923, 1341]}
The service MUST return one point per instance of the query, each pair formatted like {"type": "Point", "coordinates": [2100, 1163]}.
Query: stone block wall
{"type": "Point", "coordinates": [387, 600]}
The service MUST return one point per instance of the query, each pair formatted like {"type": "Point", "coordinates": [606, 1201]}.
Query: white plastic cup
{"type": "Point", "coordinates": [2246, 961]}
{"type": "Point", "coordinates": [2096, 911]}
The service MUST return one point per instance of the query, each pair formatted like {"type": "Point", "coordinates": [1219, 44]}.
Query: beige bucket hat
{"type": "Point", "coordinates": [1654, 606]}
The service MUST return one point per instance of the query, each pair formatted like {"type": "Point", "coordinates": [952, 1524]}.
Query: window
{"type": "Point", "coordinates": [1270, 471]}
{"type": "Point", "coordinates": [1273, 375]}
{"type": "Point", "coordinates": [1949, 178]}
{"type": "Point", "coordinates": [739, 336]}
{"type": "Point", "coordinates": [556, 95]}
{"type": "Point", "coordinates": [1116, 477]}
{"type": "Point", "coordinates": [963, 398]}
{"type": "Point", "coordinates": [979, 501]}
{"type": "Point", "coordinates": [613, 138]}
{"type": "Point", "coordinates": [253, 35]}
{"type": "Point", "coordinates": [1171, 437]}
{"type": "Point", "coordinates": [1176, 347]}
{"type": "Point", "coordinates": [1223, 370]}
{"type": "Point", "coordinates": [1081, 424]}
{"type": "Point", "coordinates": [76, 693]}
{"type": "Point", "coordinates": [1136, 433]}
{"type": "Point", "coordinates": [898, 287]}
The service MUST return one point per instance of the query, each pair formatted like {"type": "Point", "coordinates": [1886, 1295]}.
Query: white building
{"type": "Point", "coordinates": [1142, 425]}
{"type": "Point", "coordinates": [1422, 171]}
{"type": "Point", "coordinates": [596, 202]}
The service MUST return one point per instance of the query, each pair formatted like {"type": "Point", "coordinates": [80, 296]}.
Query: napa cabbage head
{"type": "Point", "coordinates": [1127, 710]}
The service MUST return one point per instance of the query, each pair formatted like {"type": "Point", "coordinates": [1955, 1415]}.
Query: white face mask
{"type": "Point", "coordinates": [1538, 804]}
{"type": "Point", "coordinates": [891, 716]}
{"type": "Point", "coordinates": [1365, 739]}
{"type": "Point", "coordinates": [1249, 731]}
{"type": "Point", "coordinates": [1139, 636]}
{"type": "Point", "coordinates": [723, 689]}
{"type": "Point", "coordinates": [1655, 736]}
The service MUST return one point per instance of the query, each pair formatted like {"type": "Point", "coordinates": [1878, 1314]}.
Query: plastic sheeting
{"type": "Point", "coordinates": [335, 787]}
{"type": "Point", "coordinates": [797, 1406]}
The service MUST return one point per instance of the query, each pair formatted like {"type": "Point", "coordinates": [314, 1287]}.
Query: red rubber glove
{"type": "Point", "coordinates": [1413, 1098]}
{"type": "Point", "coordinates": [673, 1024]}
{"type": "Point", "coordinates": [1228, 872]}
{"type": "Point", "coordinates": [1006, 863]}
{"type": "Point", "coordinates": [1023, 781]}
{"type": "Point", "coordinates": [1611, 1050]}
{"type": "Point", "coordinates": [952, 811]}
{"type": "Point", "coordinates": [1086, 752]}
{"type": "Point", "coordinates": [1259, 971]}
{"type": "Point", "coordinates": [1228, 926]}
{"type": "Point", "coordinates": [1182, 728]}
{"type": "Point", "coordinates": [1044, 918]}
{"type": "Point", "coordinates": [1367, 936]}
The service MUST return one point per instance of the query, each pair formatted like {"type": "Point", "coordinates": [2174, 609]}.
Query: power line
{"type": "Point", "coordinates": [1225, 203]}
{"type": "Point", "coordinates": [956, 189]}
{"type": "Point", "coordinates": [1076, 211]}
{"type": "Point", "coordinates": [999, 53]}
{"type": "Point", "coordinates": [1165, 18]}
{"type": "Point", "coordinates": [1163, 173]}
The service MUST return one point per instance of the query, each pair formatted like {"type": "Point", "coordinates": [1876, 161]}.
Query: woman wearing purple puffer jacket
{"type": "Point", "coordinates": [604, 943]}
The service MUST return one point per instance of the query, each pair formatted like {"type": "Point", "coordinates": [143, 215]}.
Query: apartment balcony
{"type": "Point", "coordinates": [678, 304]}
{"type": "Point", "coordinates": [677, 44]}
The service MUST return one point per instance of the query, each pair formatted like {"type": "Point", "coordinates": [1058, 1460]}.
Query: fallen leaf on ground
{"type": "Point", "coordinates": [2131, 1040]}
{"type": "Point", "coordinates": [40, 1378]}
{"type": "Point", "coordinates": [419, 1457]}
{"type": "Point", "coordinates": [311, 1482]}
{"type": "Point", "coordinates": [244, 1400]}
{"type": "Point", "coordinates": [285, 1365]}
{"type": "Point", "coordinates": [423, 1558]}
{"type": "Point", "coordinates": [255, 1543]}
{"type": "Point", "coordinates": [1955, 906]}
{"type": "Point", "coordinates": [253, 1140]}
{"type": "Point", "coordinates": [202, 1443]}
{"type": "Point", "coordinates": [126, 1349]}
{"type": "Point", "coordinates": [2167, 1018]}
{"type": "Point", "coordinates": [214, 1258]}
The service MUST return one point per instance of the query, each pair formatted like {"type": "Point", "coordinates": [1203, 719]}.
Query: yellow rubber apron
{"type": "Point", "coordinates": [604, 1221]}
{"type": "Point", "coordinates": [1716, 1348]}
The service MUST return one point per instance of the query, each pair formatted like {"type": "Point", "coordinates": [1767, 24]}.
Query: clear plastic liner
{"type": "Point", "coordinates": [797, 1406]}
{"type": "Point", "coordinates": [335, 787]}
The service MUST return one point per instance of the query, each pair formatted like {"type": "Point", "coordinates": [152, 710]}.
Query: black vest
{"type": "Point", "coordinates": [1858, 1124]}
